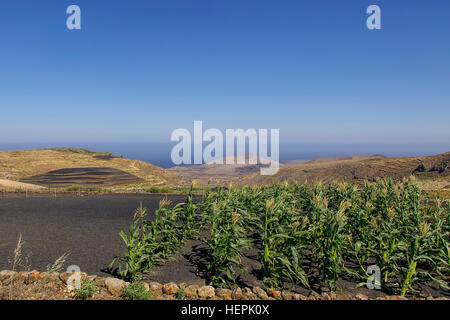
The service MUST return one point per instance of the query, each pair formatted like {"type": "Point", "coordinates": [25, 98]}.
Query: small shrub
{"type": "Point", "coordinates": [158, 190]}
{"type": "Point", "coordinates": [87, 289]}
{"type": "Point", "coordinates": [77, 187]}
{"type": "Point", "coordinates": [180, 294]}
{"type": "Point", "coordinates": [74, 187]}
{"type": "Point", "coordinates": [136, 291]}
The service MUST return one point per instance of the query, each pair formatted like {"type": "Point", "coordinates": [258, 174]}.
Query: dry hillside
{"type": "Point", "coordinates": [210, 172]}
{"type": "Point", "coordinates": [14, 185]}
{"type": "Point", "coordinates": [432, 170]}
{"type": "Point", "coordinates": [345, 158]}
{"type": "Point", "coordinates": [18, 165]}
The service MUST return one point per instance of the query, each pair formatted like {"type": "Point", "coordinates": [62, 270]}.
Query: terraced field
{"type": "Point", "coordinates": [45, 164]}
{"type": "Point", "coordinates": [83, 176]}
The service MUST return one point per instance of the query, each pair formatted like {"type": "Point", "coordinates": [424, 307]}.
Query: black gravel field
{"type": "Point", "coordinates": [86, 227]}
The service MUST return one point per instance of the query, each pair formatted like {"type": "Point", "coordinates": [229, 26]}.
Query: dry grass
{"type": "Point", "coordinates": [10, 186]}
{"type": "Point", "coordinates": [16, 262]}
{"type": "Point", "coordinates": [357, 170]}
{"type": "Point", "coordinates": [15, 165]}
{"type": "Point", "coordinates": [58, 265]}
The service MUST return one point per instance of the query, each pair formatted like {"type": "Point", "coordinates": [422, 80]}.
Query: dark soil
{"type": "Point", "coordinates": [86, 226]}
{"type": "Point", "coordinates": [82, 176]}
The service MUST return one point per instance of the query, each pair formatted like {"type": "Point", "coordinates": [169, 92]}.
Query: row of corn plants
{"type": "Point", "coordinates": [339, 229]}
{"type": "Point", "coordinates": [307, 232]}
{"type": "Point", "coordinates": [154, 240]}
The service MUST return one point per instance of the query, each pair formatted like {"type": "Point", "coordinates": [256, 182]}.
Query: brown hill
{"type": "Point", "coordinates": [357, 169]}
{"type": "Point", "coordinates": [210, 172]}
{"type": "Point", "coordinates": [20, 165]}
{"type": "Point", "coordinates": [344, 158]}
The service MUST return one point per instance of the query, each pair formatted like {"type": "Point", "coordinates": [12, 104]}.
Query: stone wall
{"type": "Point", "coordinates": [34, 285]}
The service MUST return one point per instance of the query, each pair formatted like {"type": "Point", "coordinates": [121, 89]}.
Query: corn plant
{"type": "Point", "coordinates": [331, 249]}
{"type": "Point", "coordinates": [189, 219]}
{"type": "Point", "coordinates": [226, 242]}
{"type": "Point", "coordinates": [282, 243]}
{"type": "Point", "coordinates": [135, 260]}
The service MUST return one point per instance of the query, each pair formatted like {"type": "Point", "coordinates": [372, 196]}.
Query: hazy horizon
{"type": "Point", "coordinates": [159, 154]}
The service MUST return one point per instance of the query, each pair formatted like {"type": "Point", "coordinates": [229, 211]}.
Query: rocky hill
{"type": "Point", "coordinates": [357, 169]}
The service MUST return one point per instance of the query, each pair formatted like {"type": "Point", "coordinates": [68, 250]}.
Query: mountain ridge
{"type": "Point", "coordinates": [358, 170]}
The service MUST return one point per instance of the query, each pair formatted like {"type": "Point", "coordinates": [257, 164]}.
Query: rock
{"type": "Point", "coordinates": [440, 168]}
{"type": "Point", "coordinates": [237, 294]}
{"type": "Point", "coordinates": [146, 286]}
{"type": "Point", "coordinates": [191, 292]}
{"type": "Point", "coordinates": [298, 296]}
{"type": "Point", "coordinates": [360, 296]}
{"type": "Point", "coordinates": [313, 296]}
{"type": "Point", "coordinates": [156, 289]}
{"type": "Point", "coordinates": [64, 277]}
{"type": "Point", "coordinates": [343, 297]}
{"type": "Point", "coordinates": [424, 293]}
{"type": "Point", "coordinates": [392, 298]}
{"type": "Point", "coordinates": [224, 294]}
{"type": "Point", "coordinates": [333, 296]}
{"type": "Point", "coordinates": [248, 294]}
{"type": "Point", "coordinates": [275, 294]}
{"type": "Point", "coordinates": [99, 281]}
{"type": "Point", "coordinates": [420, 168]}
{"type": "Point", "coordinates": [32, 277]}
{"type": "Point", "coordinates": [182, 285]}
{"type": "Point", "coordinates": [260, 293]}
{"type": "Point", "coordinates": [287, 295]}
{"type": "Point", "coordinates": [115, 286]}
{"type": "Point", "coordinates": [52, 278]}
{"type": "Point", "coordinates": [22, 276]}
{"type": "Point", "coordinates": [92, 278]}
{"type": "Point", "coordinates": [170, 288]}
{"type": "Point", "coordinates": [206, 292]}
{"type": "Point", "coordinates": [6, 274]}
{"type": "Point", "coordinates": [326, 296]}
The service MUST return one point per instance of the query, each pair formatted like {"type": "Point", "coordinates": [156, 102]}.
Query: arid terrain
{"type": "Point", "coordinates": [52, 167]}
{"type": "Point", "coordinates": [433, 172]}
{"type": "Point", "coordinates": [209, 173]}
{"type": "Point", "coordinates": [14, 185]}
{"type": "Point", "coordinates": [63, 167]}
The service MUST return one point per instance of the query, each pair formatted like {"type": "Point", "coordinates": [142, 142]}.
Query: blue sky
{"type": "Point", "coordinates": [140, 69]}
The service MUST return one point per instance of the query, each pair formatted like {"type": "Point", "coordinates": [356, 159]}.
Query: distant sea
{"type": "Point", "coordinates": [159, 153]}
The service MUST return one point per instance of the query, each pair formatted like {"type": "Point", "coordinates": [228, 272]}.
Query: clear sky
{"type": "Point", "coordinates": [140, 69]}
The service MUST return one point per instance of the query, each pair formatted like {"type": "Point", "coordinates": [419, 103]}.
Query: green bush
{"type": "Point", "coordinates": [87, 289]}
{"type": "Point", "coordinates": [78, 187]}
{"type": "Point", "coordinates": [158, 190]}
{"type": "Point", "coordinates": [180, 294]}
{"type": "Point", "coordinates": [136, 291]}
